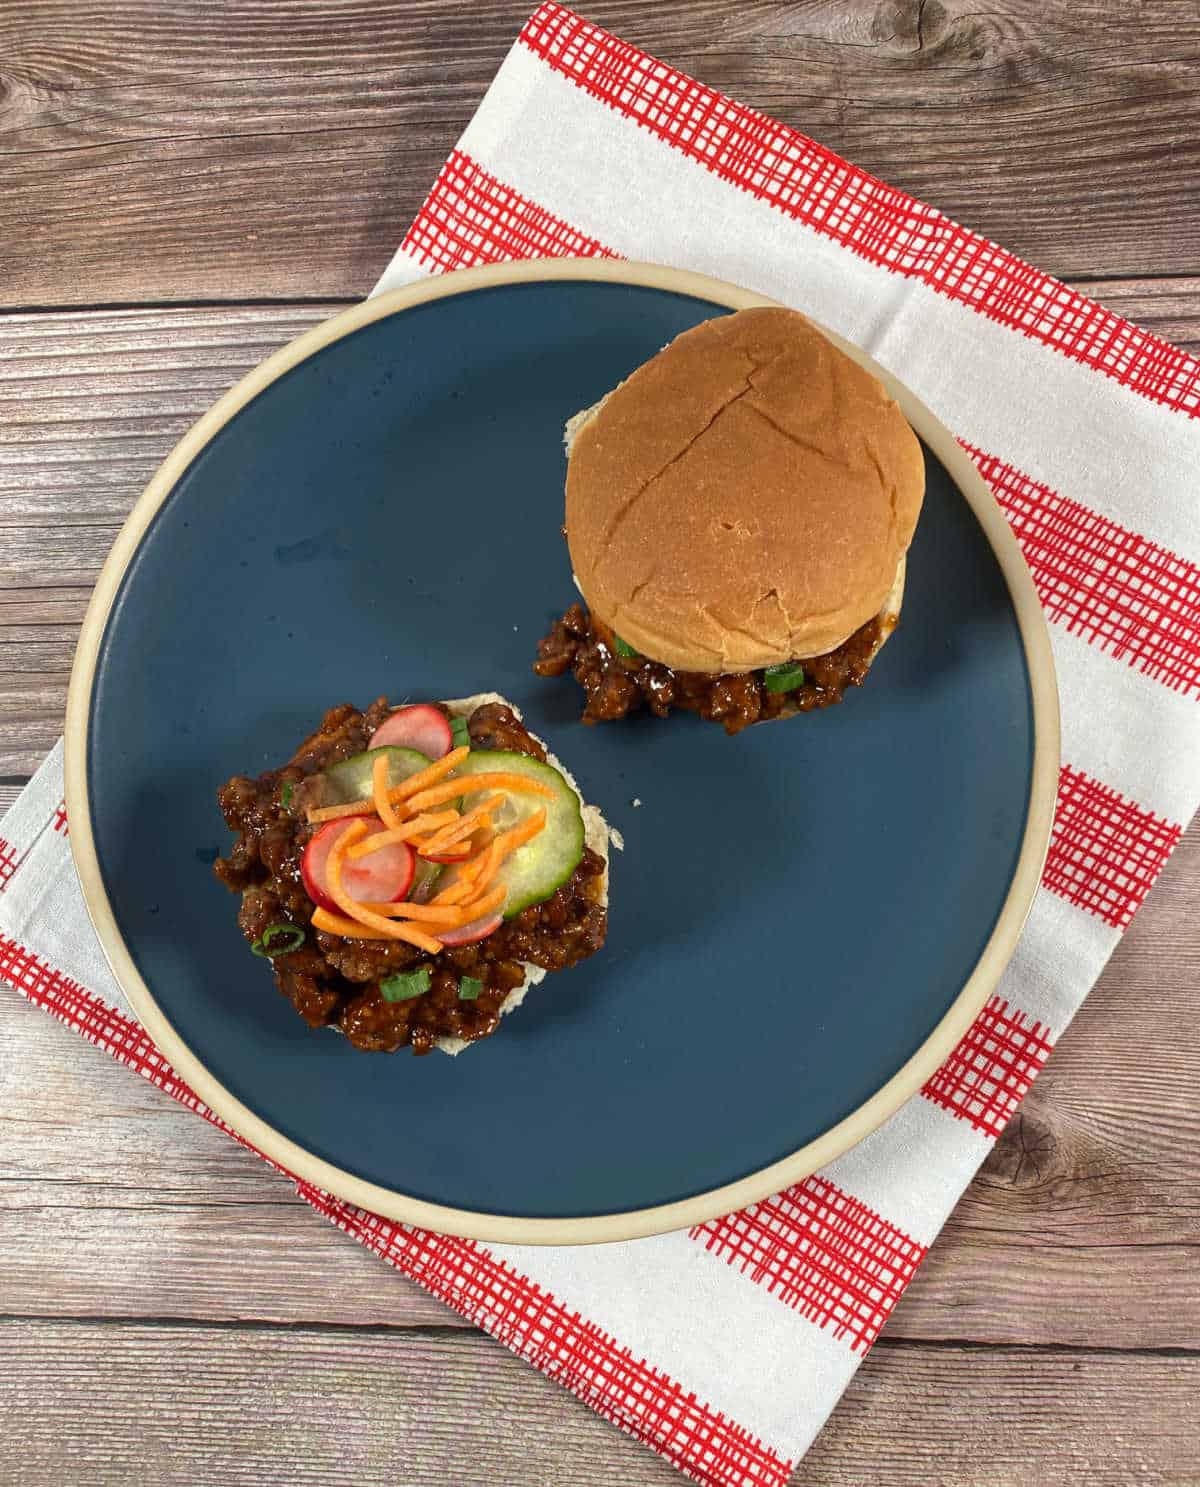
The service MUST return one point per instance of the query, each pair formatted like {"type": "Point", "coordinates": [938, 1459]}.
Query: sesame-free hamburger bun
{"type": "Point", "coordinates": [744, 498]}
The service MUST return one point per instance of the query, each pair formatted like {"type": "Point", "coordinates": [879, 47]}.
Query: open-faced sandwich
{"type": "Point", "coordinates": [738, 513]}
{"type": "Point", "coordinates": [412, 871]}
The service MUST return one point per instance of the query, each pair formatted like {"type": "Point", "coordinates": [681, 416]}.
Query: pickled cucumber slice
{"type": "Point", "coordinates": [544, 864]}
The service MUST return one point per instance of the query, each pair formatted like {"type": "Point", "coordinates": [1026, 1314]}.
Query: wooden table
{"type": "Point", "coordinates": [184, 187]}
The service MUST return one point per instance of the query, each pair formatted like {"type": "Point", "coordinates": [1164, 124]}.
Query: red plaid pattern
{"type": "Point", "coordinates": [1105, 851]}
{"type": "Point", "coordinates": [986, 1077]}
{"type": "Point", "coordinates": [1125, 594]}
{"type": "Point", "coordinates": [472, 218]}
{"type": "Point", "coordinates": [812, 185]}
{"type": "Point", "coordinates": [821, 1252]}
{"type": "Point", "coordinates": [8, 862]}
{"type": "Point", "coordinates": [625, 1390]}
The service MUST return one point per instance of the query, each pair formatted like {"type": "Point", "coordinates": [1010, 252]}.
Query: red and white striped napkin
{"type": "Point", "coordinates": [724, 1348]}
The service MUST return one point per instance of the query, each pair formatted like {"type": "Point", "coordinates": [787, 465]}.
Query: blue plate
{"type": "Point", "coordinates": [804, 918]}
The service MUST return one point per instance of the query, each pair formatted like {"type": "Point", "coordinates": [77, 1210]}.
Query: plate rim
{"type": "Point", "coordinates": [714, 1202]}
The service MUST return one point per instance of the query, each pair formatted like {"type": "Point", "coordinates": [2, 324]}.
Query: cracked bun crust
{"type": "Point", "coordinates": [744, 498]}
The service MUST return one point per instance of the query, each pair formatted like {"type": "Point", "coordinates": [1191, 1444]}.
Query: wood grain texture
{"type": "Point", "coordinates": [278, 148]}
{"type": "Point", "coordinates": [1083, 1227]}
{"type": "Point", "coordinates": [170, 1404]}
{"type": "Point", "coordinates": [139, 1209]}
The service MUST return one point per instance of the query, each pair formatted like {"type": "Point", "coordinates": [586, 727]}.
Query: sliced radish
{"type": "Point", "coordinates": [451, 854]}
{"type": "Point", "coordinates": [422, 727]}
{"type": "Point", "coordinates": [382, 877]}
{"type": "Point", "coordinates": [467, 934]}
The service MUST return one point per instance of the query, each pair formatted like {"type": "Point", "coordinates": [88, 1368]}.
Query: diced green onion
{"type": "Point", "coordinates": [285, 795]}
{"type": "Point", "coordinates": [291, 935]}
{"type": "Point", "coordinates": [404, 988]}
{"type": "Point", "coordinates": [785, 677]}
{"type": "Point", "coordinates": [459, 732]}
{"type": "Point", "coordinates": [624, 648]}
{"type": "Point", "coordinates": [469, 989]}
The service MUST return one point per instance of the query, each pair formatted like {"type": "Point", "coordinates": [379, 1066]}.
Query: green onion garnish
{"type": "Point", "coordinates": [269, 946]}
{"type": "Point", "coordinates": [469, 989]}
{"type": "Point", "coordinates": [459, 733]}
{"type": "Point", "coordinates": [404, 988]}
{"type": "Point", "coordinates": [623, 647]}
{"type": "Point", "coordinates": [285, 795]}
{"type": "Point", "coordinates": [785, 677]}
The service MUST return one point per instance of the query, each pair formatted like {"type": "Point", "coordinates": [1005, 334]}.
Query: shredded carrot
{"type": "Point", "coordinates": [464, 825]}
{"type": "Point", "coordinates": [486, 903]}
{"type": "Point", "coordinates": [444, 854]}
{"type": "Point", "coordinates": [423, 915]}
{"type": "Point", "coordinates": [355, 910]}
{"type": "Point", "coordinates": [429, 776]}
{"type": "Point", "coordinates": [506, 844]}
{"type": "Point", "coordinates": [517, 836]}
{"type": "Point", "coordinates": [471, 784]}
{"type": "Point", "coordinates": [351, 929]}
{"type": "Point", "coordinates": [405, 832]}
{"type": "Point", "coordinates": [384, 808]}
{"type": "Point", "coordinates": [440, 916]}
{"type": "Point", "coordinates": [470, 872]}
{"type": "Point", "coordinates": [396, 793]}
{"type": "Point", "coordinates": [430, 840]}
{"type": "Point", "coordinates": [348, 929]}
{"type": "Point", "coordinates": [336, 812]}
{"type": "Point", "coordinates": [455, 893]}
{"type": "Point", "coordinates": [486, 864]}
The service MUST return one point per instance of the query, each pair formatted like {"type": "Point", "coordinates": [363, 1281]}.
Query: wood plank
{"type": "Point", "coordinates": [103, 1179]}
{"type": "Point", "coordinates": [60, 556]}
{"type": "Point", "coordinates": [1082, 1228]}
{"type": "Point", "coordinates": [949, 1417]}
{"type": "Point", "coordinates": [1168, 307]}
{"type": "Point", "coordinates": [32, 708]}
{"type": "Point", "coordinates": [90, 405]}
{"type": "Point", "coordinates": [279, 148]}
{"type": "Point", "coordinates": [249, 1408]}
{"type": "Point", "coordinates": [52, 607]}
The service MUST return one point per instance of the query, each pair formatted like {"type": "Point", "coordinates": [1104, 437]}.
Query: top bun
{"type": "Point", "coordinates": [744, 498]}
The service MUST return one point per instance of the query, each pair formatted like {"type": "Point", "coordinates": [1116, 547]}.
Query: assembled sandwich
{"type": "Point", "coordinates": [737, 515]}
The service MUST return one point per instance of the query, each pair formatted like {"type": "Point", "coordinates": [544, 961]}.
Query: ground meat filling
{"type": "Point", "coordinates": [617, 685]}
{"type": "Point", "coordinates": [335, 982]}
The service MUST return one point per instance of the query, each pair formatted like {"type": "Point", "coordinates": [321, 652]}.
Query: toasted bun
{"type": "Point", "coordinates": [746, 497]}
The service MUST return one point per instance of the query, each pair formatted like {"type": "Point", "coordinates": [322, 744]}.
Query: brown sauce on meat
{"type": "Point", "coordinates": [333, 982]}
{"type": "Point", "coordinates": [617, 685]}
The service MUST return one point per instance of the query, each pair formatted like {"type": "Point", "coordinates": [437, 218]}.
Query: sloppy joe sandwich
{"type": "Point", "coordinates": [412, 871]}
{"type": "Point", "coordinates": [737, 513]}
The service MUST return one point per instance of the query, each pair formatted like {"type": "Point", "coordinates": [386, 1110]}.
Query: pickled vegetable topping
{"type": "Point", "coordinates": [500, 830]}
